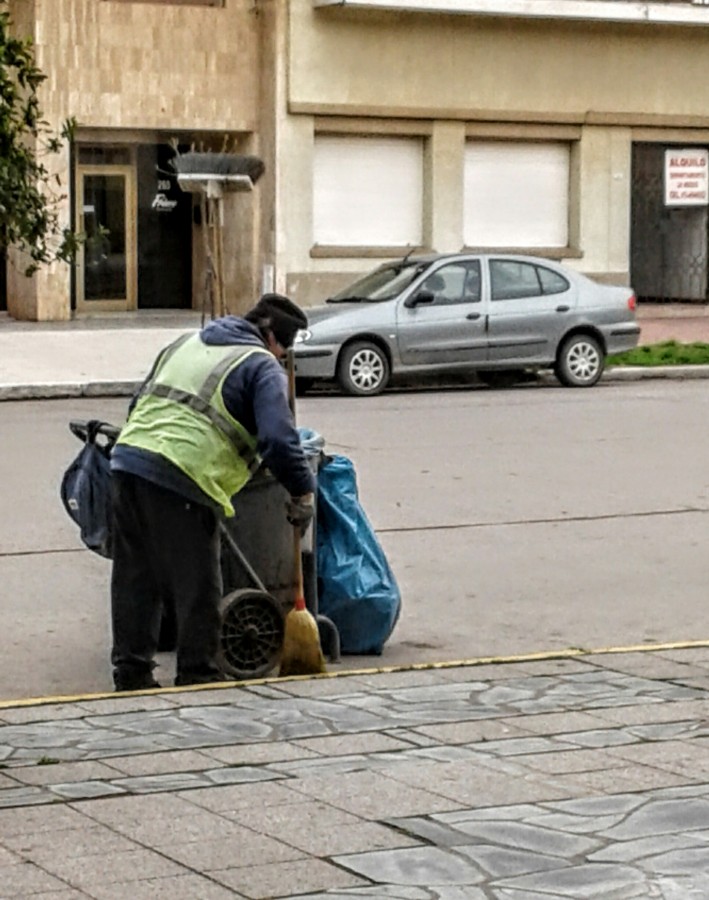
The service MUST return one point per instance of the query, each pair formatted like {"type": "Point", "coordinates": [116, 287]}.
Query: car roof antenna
{"type": "Point", "coordinates": [406, 258]}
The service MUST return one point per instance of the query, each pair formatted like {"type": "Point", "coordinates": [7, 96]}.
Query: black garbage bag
{"type": "Point", "coordinates": [86, 485]}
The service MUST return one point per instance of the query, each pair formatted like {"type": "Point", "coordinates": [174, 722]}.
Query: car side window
{"type": "Point", "coordinates": [511, 280]}
{"type": "Point", "coordinates": [455, 283]}
{"type": "Point", "coordinates": [552, 282]}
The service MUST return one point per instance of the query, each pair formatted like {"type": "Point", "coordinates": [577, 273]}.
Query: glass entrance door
{"type": "Point", "coordinates": [106, 276]}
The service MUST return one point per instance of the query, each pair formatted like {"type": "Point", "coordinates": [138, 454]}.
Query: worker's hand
{"type": "Point", "coordinates": [300, 510]}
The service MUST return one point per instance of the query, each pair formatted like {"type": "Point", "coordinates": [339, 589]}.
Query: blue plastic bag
{"type": "Point", "coordinates": [311, 441]}
{"type": "Point", "coordinates": [356, 587]}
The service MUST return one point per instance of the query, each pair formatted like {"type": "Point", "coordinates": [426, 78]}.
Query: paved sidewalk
{"type": "Point", "coordinates": [581, 777]}
{"type": "Point", "coordinates": [100, 356]}
{"type": "Point", "coordinates": [109, 356]}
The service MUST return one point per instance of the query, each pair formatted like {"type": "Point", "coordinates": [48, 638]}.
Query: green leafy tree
{"type": "Point", "coordinates": [30, 195]}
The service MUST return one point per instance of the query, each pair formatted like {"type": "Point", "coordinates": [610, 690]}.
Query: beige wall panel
{"type": "Point", "coordinates": [43, 297]}
{"type": "Point", "coordinates": [22, 15]}
{"type": "Point", "coordinates": [138, 65]}
{"type": "Point", "coordinates": [604, 193]}
{"type": "Point", "coordinates": [239, 275]}
{"type": "Point", "coordinates": [272, 107]}
{"type": "Point", "coordinates": [294, 195]}
{"type": "Point", "coordinates": [482, 67]}
{"type": "Point", "coordinates": [46, 294]}
{"type": "Point", "coordinates": [21, 291]}
{"type": "Point", "coordinates": [443, 181]}
{"type": "Point", "coordinates": [619, 197]}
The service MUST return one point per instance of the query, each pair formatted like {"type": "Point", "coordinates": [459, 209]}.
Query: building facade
{"type": "Point", "coordinates": [141, 79]}
{"type": "Point", "coordinates": [553, 127]}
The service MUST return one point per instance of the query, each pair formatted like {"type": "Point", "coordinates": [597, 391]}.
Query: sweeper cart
{"type": "Point", "coordinates": [258, 566]}
{"type": "Point", "coordinates": [257, 557]}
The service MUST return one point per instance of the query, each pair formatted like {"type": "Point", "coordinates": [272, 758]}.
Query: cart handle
{"type": "Point", "coordinates": [88, 431]}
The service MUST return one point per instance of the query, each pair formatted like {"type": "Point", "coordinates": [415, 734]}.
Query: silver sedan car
{"type": "Point", "coordinates": [495, 314]}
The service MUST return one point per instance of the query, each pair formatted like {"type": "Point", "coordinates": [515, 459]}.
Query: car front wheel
{"type": "Point", "coordinates": [580, 362]}
{"type": "Point", "coordinates": [363, 369]}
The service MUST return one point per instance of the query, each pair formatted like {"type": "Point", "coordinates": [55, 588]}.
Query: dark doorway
{"type": "Point", "coordinates": [668, 245]}
{"type": "Point", "coordinates": [164, 233]}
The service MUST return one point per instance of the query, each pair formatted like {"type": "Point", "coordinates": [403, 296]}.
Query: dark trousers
{"type": "Point", "coordinates": [165, 548]}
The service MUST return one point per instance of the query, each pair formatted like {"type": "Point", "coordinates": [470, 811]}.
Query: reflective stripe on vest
{"type": "Point", "coordinates": [198, 404]}
{"type": "Point", "coordinates": [179, 412]}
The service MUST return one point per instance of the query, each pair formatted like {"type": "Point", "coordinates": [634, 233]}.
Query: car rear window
{"type": "Point", "coordinates": [512, 279]}
{"type": "Point", "coordinates": [552, 282]}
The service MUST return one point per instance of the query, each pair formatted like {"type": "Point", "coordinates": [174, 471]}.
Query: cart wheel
{"type": "Point", "coordinates": [253, 626]}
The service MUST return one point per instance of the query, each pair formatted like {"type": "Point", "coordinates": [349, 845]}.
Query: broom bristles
{"type": "Point", "coordinates": [301, 654]}
{"type": "Point", "coordinates": [218, 164]}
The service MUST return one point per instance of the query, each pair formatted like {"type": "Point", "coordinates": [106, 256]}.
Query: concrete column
{"type": "Point", "coordinates": [46, 295]}
{"type": "Point", "coordinates": [294, 196]}
{"type": "Point", "coordinates": [604, 201]}
{"type": "Point", "coordinates": [443, 187]}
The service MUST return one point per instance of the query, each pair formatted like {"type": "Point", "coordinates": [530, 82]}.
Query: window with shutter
{"type": "Point", "coordinates": [516, 194]}
{"type": "Point", "coordinates": [367, 191]}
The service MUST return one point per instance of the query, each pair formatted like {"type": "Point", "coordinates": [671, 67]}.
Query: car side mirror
{"type": "Point", "coordinates": [420, 297]}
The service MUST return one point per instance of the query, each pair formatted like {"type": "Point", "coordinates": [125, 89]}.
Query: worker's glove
{"type": "Point", "coordinates": [300, 510]}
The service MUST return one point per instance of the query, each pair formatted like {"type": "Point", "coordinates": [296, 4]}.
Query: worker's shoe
{"type": "Point", "coordinates": [134, 682]}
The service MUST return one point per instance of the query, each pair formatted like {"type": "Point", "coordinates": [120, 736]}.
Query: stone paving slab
{"type": "Point", "coordinates": [563, 778]}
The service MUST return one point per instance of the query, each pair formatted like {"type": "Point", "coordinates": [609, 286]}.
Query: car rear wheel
{"type": "Point", "coordinates": [501, 379]}
{"type": "Point", "coordinates": [580, 362]}
{"type": "Point", "coordinates": [363, 369]}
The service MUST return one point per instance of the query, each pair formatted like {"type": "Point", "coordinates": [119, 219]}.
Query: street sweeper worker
{"type": "Point", "coordinates": [212, 409]}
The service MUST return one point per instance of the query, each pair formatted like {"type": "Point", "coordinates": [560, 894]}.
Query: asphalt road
{"type": "Point", "coordinates": [532, 519]}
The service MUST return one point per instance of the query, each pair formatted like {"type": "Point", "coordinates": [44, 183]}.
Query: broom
{"type": "Point", "coordinates": [211, 175]}
{"type": "Point", "coordinates": [228, 171]}
{"type": "Point", "coordinates": [301, 654]}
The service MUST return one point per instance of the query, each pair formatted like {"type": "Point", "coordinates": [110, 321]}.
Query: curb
{"type": "Point", "coordinates": [500, 660]}
{"type": "Point", "coordinates": [68, 390]}
{"type": "Point", "coordinates": [71, 389]}
{"type": "Point", "coordinates": [636, 373]}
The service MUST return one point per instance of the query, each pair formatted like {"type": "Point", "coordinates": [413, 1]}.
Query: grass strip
{"type": "Point", "coordinates": [666, 353]}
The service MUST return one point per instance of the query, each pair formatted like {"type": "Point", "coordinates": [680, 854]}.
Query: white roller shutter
{"type": "Point", "coordinates": [367, 192]}
{"type": "Point", "coordinates": [516, 194]}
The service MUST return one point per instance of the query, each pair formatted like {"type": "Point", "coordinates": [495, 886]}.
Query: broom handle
{"type": "Point", "coordinates": [298, 570]}
{"type": "Point", "coordinates": [219, 248]}
{"type": "Point", "coordinates": [298, 566]}
{"type": "Point", "coordinates": [208, 296]}
{"type": "Point", "coordinates": [290, 368]}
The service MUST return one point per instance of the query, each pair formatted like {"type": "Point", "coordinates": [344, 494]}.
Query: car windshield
{"type": "Point", "coordinates": [384, 283]}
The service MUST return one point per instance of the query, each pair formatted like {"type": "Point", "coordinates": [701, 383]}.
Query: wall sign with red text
{"type": "Point", "coordinates": [686, 177]}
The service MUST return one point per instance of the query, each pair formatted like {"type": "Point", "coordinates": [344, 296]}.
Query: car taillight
{"type": "Point", "coordinates": [632, 303]}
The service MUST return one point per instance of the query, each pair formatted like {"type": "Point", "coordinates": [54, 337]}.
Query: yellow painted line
{"type": "Point", "coordinates": [539, 656]}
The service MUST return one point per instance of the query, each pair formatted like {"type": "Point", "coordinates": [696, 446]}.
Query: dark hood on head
{"type": "Point", "coordinates": [231, 330]}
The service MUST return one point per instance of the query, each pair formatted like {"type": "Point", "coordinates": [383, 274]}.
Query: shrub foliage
{"type": "Point", "coordinates": [30, 195]}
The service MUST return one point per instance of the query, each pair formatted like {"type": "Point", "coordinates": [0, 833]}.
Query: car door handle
{"type": "Point", "coordinates": [473, 316]}
{"type": "Point", "coordinates": [563, 308]}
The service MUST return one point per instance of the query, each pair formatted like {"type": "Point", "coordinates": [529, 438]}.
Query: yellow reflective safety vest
{"type": "Point", "coordinates": [180, 415]}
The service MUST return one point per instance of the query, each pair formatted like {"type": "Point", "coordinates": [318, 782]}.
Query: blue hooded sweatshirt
{"type": "Point", "coordinates": [256, 395]}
